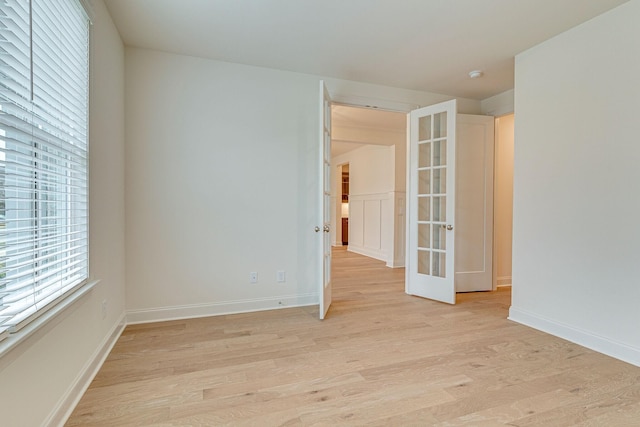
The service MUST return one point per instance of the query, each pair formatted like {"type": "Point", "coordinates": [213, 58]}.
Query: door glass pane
{"type": "Point", "coordinates": [424, 155]}
{"type": "Point", "coordinates": [439, 181]}
{"type": "Point", "coordinates": [327, 177]}
{"type": "Point", "coordinates": [440, 153]}
{"type": "Point", "coordinates": [439, 236]}
{"type": "Point", "coordinates": [423, 262]}
{"type": "Point", "coordinates": [327, 146]}
{"type": "Point", "coordinates": [424, 182]}
{"type": "Point", "coordinates": [440, 125]}
{"type": "Point", "coordinates": [424, 128]}
{"type": "Point", "coordinates": [440, 208]}
{"type": "Point", "coordinates": [439, 264]}
{"type": "Point", "coordinates": [424, 239]}
{"type": "Point", "coordinates": [424, 208]}
{"type": "Point", "coordinates": [327, 207]}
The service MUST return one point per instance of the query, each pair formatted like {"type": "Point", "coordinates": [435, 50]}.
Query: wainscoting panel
{"type": "Point", "coordinates": [398, 233]}
{"type": "Point", "coordinates": [356, 223]}
{"type": "Point", "coordinates": [371, 225]}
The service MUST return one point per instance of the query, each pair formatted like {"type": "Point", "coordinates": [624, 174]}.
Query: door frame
{"type": "Point", "coordinates": [398, 107]}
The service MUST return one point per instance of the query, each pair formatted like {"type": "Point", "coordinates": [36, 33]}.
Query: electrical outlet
{"type": "Point", "coordinates": [253, 277]}
{"type": "Point", "coordinates": [281, 276]}
{"type": "Point", "coordinates": [104, 308]}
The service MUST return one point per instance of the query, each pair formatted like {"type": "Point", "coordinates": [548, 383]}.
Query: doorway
{"type": "Point", "coordinates": [503, 200]}
{"type": "Point", "coordinates": [344, 205]}
{"type": "Point", "coordinates": [373, 207]}
{"type": "Point", "coordinates": [369, 181]}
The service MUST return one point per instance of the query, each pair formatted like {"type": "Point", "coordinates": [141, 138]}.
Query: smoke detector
{"type": "Point", "coordinates": [476, 74]}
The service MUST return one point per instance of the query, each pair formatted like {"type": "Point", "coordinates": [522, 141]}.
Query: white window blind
{"type": "Point", "coordinates": [44, 74]}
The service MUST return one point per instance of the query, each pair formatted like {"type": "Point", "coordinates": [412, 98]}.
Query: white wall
{"type": "Point", "coordinates": [576, 237]}
{"type": "Point", "coordinates": [503, 200]}
{"type": "Point", "coordinates": [41, 377]}
{"type": "Point", "coordinates": [221, 181]}
{"type": "Point", "coordinates": [371, 169]}
{"type": "Point", "coordinates": [498, 105]}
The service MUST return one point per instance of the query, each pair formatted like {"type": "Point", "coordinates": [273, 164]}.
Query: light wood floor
{"type": "Point", "coordinates": [380, 358]}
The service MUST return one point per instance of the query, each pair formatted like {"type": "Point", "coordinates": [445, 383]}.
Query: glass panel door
{"type": "Point", "coordinates": [431, 202]}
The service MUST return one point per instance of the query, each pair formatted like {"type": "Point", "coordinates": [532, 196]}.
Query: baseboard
{"type": "Point", "coordinates": [396, 263]}
{"type": "Point", "coordinates": [584, 338]}
{"type": "Point", "coordinates": [371, 253]}
{"type": "Point", "coordinates": [70, 399]}
{"type": "Point", "coordinates": [503, 281]}
{"type": "Point", "coordinates": [217, 309]}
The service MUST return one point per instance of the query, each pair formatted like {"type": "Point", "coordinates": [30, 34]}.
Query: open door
{"type": "Point", "coordinates": [474, 203]}
{"type": "Point", "coordinates": [431, 202]}
{"type": "Point", "coordinates": [325, 200]}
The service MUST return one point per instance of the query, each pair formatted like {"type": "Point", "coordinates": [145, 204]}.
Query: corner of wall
{"type": "Point", "coordinates": [499, 105]}
{"type": "Point", "coordinates": [74, 393]}
{"type": "Point", "coordinates": [578, 336]}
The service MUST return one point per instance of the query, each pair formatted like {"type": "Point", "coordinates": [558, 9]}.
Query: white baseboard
{"type": "Point", "coordinates": [399, 263]}
{"type": "Point", "coordinates": [217, 309]}
{"type": "Point", "coordinates": [587, 339]}
{"type": "Point", "coordinates": [503, 281]}
{"type": "Point", "coordinates": [371, 253]}
{"type": "Point", "coordinates": [70, 399]}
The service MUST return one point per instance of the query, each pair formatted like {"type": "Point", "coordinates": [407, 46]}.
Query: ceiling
{"type": "Point", "coordinates": [427, 45]}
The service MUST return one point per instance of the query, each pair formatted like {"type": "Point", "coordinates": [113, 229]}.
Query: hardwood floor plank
{"type": "Point", "coordinates": [506, 414]}
{"type": "Point", "coordinates": [381, 358]}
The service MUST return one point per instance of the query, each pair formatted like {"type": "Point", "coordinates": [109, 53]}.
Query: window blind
{"type": "Point", "coordinates": [44, 74]}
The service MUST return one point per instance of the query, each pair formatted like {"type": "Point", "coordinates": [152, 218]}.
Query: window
{"type": "Point", "coordinates": [44, 67]}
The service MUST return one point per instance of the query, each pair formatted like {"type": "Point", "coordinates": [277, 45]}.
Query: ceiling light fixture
{"type": "Point", "coordinates": [476, 74]}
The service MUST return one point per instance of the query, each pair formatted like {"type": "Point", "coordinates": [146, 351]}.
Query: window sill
{"type": "Point", "coordinates": [14, 340]}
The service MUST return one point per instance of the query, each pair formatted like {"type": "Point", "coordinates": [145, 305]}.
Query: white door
{"type": "Point", "coordinates": [474, 203]}
{"type": "Point", "coordinates": [324, 230]}
{"type": "Point", "coordinates": [431, 202]}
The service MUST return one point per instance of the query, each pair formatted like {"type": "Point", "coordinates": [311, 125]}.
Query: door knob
{"type": "Point", "coordinates": [326, 229]}
{"type": "Point", "coordinates": [449, 227]}
{"type": "Point", "coordinates": [317, 229]}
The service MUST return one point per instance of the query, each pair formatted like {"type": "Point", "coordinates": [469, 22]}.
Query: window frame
{"type": "Point", "coordinates": [73, 289]}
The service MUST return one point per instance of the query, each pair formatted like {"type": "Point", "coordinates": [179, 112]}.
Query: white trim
{"type": "Point", "coordinates": [397, 231]}
{"type": "Point", "coordinates": [499, 105]}
{"type": "Point", "coordinates": [378, 254]}
{"type": "Point", "coordinates": [71, 398]}
{"type": "Point", "coordinates": [373, 103]}
{"type": "Point", "coordinates": [89, 10]}
{"type": "Point", "coordinates": [387, 195]}
{"type": "Point", "coordinates": [397, 263]}
{"type": "Point", "coordinates": [216, 309]}
{"type": "Point", "coordinates": [581, 337]}
{"type": "Point", "coordinates": [503, 281]}
{"type": "Point", "coordinates": [15, 339]}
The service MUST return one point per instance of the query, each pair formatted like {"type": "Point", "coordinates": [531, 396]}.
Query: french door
{"type": "Point", "coordinates": [325, 200]}
{"type": "Point", "coordinates": [431, 201]}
